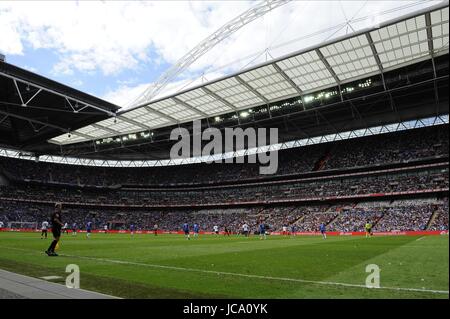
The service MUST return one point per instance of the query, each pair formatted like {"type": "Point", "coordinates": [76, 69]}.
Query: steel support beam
{"type": "Point", "coordinates": [330, 69]}
{"type": "Point", "coordinates": [287, 78]}
{"type": "Point", "coordinates": [15, 80]}
{"type": "Point", "coordinates": [106, 129]}
{"type": "Point", "coordinates": [19, 93]}
{"type": "Point", "coordinates": [145, 127]}
{"type": "Point", "coordinates": [161, 114]}
{"type": "Point", "coordinates": [376, 57]}
{"type": "Point", "coordinates": [24, 118]}
{"type": "Point", "coordinates": [36, 129]}
{"type": "Point", "coordinates": [189, 107]}
{"type": "Point", "coordinates": [429, 34]}
{"type": "Point", "coordinates": [31, 98]}
{"type": "Point", "coordinates": [88, 137]}
{"type": "Point", "coordinates": [219, 98]}
{"type": "Point", "coordinates": [328, 66]}
{"type": "Point", "coordinates": [4, 119]}
{"type": "Point", "coordinates": [431, 52]}
{"type": "Point", "coordinates": [251, 89]}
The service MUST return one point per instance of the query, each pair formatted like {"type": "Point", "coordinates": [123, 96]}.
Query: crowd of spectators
{"type": "Point", "coordinates": [353, 220]}
{"type": "Point", "coordinates": [264, 193]}
{"type": "Point", "coordinates": [381, 149]}
{"type": "Point", "coordinates": [392, 148]}
{"type": "Point", "coordinates": [404, 218]}
{"type": "Point", "coordinates": [441, 220]}
{"type": "Point", "coordinates": [314, 216]}
{"type": "Point", "coordinates": [396, 216]}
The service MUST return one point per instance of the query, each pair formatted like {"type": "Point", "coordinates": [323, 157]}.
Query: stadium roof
{"type": "Point", "coordinates": [34, 108]}
{"type": "Point", "coordinates": [418, 36]}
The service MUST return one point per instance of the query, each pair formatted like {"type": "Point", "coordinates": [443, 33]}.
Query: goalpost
{"type": "Point", "coordinates": [23, 225]}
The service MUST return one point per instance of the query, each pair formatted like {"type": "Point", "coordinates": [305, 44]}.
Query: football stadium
{"type": "Point", "coordinates": [318, 172]}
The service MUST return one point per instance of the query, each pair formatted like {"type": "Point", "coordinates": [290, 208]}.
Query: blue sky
{"type": "Point", "coordinates": [114, 50]}
{"type": "Point", "coordinates": [95, 82]}
{"type": "Point", "coordinates": [42, 61]}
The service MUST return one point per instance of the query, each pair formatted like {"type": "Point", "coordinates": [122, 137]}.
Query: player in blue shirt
{"type": "Point", "coordinates": [132, 229]}
{"type": "Point", "coordinates": [88, 229]}
{"type": "Point", "coordinates": [196, 229]}
{"type": "Point", "coordinates": [293, 230]}
{"type": "Point", "coordinates": [323, 230]}
{"type": "Point", "coordinates": [262, 231]}
{"type": "Point", "coordinates": [74, 229]}
{"type": "Point", "coordinates": [186, 231]}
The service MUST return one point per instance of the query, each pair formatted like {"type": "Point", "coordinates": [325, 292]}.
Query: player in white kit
{"type": "Point", "coordinates": [44, 229]}
{"type": "Point", "coordinates": [245, 230]}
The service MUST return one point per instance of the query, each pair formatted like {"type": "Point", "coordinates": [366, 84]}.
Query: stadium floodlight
{"type": "Point", "coordinates": [244, 114]}
{"type": "Point", "coordinates": [308, 98]}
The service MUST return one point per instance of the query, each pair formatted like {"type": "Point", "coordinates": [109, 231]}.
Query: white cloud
{"type": "Point", "coordinates": [126, 92]}
{"type": "Point", "coordinates": [107, 36]}
{"type": "Point", "coordinates": [77, 83]}
{"type": "Point", "coordinates": [10, 39]}
{"type": "Point", "coordinates": [30, 68]}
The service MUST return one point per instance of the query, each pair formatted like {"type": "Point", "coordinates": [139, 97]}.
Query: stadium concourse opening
{"type": "Point", "coordinates": [92, 206]}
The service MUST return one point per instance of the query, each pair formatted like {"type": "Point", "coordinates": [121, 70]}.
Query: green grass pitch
{"type": "Point", "coordinates": [169, 266]}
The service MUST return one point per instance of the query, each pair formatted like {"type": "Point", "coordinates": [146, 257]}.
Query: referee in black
{"type": "Point", "coordinates": [56, 229]}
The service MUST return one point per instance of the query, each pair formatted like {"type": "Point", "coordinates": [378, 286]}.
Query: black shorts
{"type": "Point", "coordinates": [56, 232]}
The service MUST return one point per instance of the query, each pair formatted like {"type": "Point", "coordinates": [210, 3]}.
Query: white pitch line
{"type": "Point", "coordinates": [51, 277]}
{"type": "Point", "coordinates": [328, 283]}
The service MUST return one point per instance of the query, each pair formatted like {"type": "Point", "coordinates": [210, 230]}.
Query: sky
{"type": "Point", "coordinates": [116, 49]}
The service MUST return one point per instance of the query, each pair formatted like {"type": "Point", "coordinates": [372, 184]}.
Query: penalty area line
{"type": "Point", "coordinates": [325, 283]}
